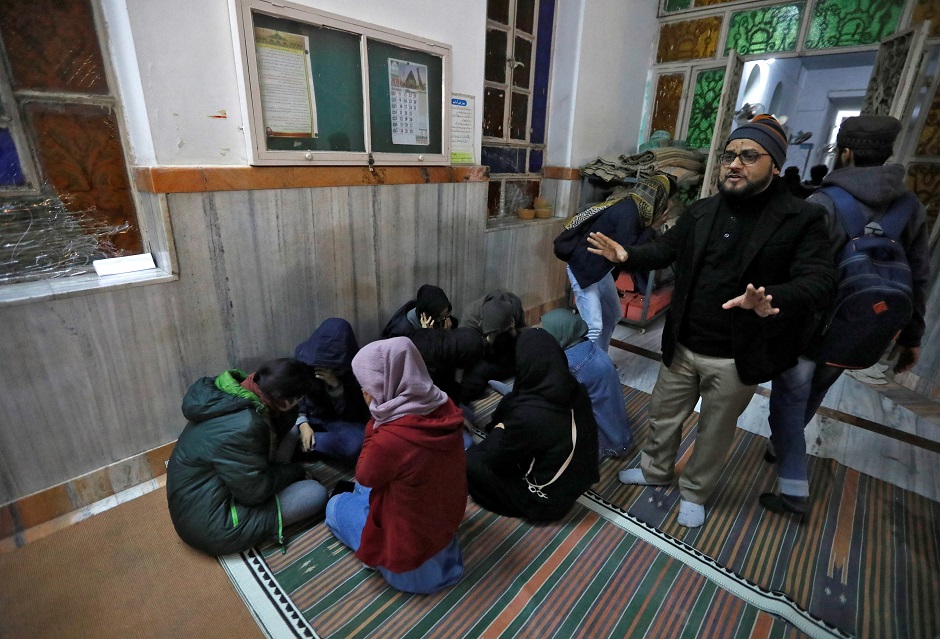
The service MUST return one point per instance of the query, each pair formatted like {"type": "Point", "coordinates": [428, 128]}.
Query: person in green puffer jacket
{"type": "Point", "coordinates": [224, 492]}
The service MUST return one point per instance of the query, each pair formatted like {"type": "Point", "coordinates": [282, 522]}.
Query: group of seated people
{"type": "Point", "coordinates": [236, 477]}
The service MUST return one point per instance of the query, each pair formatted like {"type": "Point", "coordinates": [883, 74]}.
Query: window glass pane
{"type": "Point", "coordinates": [677, 5]}
{"type": "Point", "coordinates": [498, 10]}
{"type": "Point", "coordinates": [844, 23]}
{"type": "Point", "coordinates": [689, 40]}
{"type": "Point", "coordinates": [494, 69]}
{"type": "Point", "coordinates": [495, 188]}
{"type": "Point", "coordinates": [11, 174]}
{"type": "Point", "coordinates": [53, 46]}
{"type": "Point", "coordinates": [929, 142]}
{"type": "Point", "coordinates": [765, 30]}
{"type": "Point", "coordinates": [535, 161]}
{"type": "Point", "coordinates": [523, 54]}
{"type": "Point", "coordinates": [519, 117]}
{"type": "Point", "coordinates": [494, 101]}
{"type": "Point", "coordinates": [705, 108]}
{"type": "Point", "coordinates": [525, 15]}
{"type": "Point", "coordinates": [82, 157]}
{"type": "Point", "coordinates": [708, 3]}
{"type": "Point", "coordinates": [668, 99]}
{"type": "Point", "coordinates": [543, 57]}
{"type": "Point", "coordinates": [504, 159]}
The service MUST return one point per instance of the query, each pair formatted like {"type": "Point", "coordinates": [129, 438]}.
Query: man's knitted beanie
{"type": "Point", "coordinates": [766, 131]}
{"type": "Point", "coordinates": [864, 132]}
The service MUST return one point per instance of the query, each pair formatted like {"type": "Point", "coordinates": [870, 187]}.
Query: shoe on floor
{"type": "Point", "coordinates": [635, 476]}
{"type": "Point", "coordinates": [783, 504]}
{"type": "Point", "coordinates": [691, 515]}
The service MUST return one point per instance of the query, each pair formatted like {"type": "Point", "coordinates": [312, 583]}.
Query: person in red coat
{"type": "Point", "coordinates": [411, 487]}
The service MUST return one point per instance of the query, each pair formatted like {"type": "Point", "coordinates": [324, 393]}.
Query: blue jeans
{"type": "Point", "coordinates": [599, 306]}
{"type": "Point", "coordinates": [795, 396]}
{"type": "Point", "coordinates": [346, 516]}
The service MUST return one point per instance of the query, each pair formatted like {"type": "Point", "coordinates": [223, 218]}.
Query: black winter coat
{"type": "Point", "coordinates": [788, 253]}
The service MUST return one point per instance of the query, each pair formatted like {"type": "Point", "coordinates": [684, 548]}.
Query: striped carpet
{"type": "Point", "coordinates": [865, 563]}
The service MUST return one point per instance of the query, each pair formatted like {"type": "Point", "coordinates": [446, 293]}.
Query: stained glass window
{"type": "Point", "coordinates": [677, 5]}
{"type": "Point", "coordinates": [705, 108]}
{"type": "Point", "coordinates": [688, 40]}
{"type": "Point", "coordinates": [924, 179]}
{"type": "Point", "coordinates": [845, 23]}
{"type": "Point", "coordinates": [668, 99]}
{"type": "Point", "coordinates": [765, 30]}
{"type": "Point", "coordinates": [927, 10]}
{"type": "Point", "coordinates": [708, 3]}
{"type": "Point", "coordinates": [929, 142]}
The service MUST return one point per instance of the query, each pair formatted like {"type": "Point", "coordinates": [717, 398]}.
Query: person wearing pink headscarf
{"type": "Point", "coordinates": [411, 486]}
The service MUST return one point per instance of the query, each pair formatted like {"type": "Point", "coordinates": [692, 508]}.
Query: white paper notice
{"type": "Point", "coordinates": [461, 129]}
{"type": "Point", "coordinates": [288, 104]}
{"type": "Point", "coordinates": [408, 86]}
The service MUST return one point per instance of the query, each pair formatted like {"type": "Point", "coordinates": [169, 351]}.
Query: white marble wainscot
{"type": "Point", "coordinates": [563, 194]}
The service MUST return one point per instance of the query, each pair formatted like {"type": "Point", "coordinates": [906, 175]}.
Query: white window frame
{"type": "Point", "coordinates": [247, 70]}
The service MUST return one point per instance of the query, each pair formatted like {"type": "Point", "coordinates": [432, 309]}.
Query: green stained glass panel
{"type": "Point", "coordinates": [705, 108]}
{"type": "Point", "coordinates": [677, 5]}
{"type": "Point", "coordinates": [765, 30]}
{"type": "Point", "coordinates": [845, 23]}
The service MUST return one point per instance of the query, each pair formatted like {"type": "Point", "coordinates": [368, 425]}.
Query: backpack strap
{"type": "Point", "coordinates": [895, 219]}
{"type": "Point", "coordinates": [847, 209]}
{"type": "Point", "coordinates": [892, 222]}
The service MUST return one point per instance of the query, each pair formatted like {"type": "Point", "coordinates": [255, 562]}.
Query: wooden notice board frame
{"type": "Point", "coordinates": [376, 95]}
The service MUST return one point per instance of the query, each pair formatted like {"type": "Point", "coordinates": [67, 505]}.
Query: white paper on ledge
{"type": "Point", "coordinates": [127, 264]}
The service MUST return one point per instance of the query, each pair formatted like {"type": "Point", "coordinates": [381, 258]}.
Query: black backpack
{"type": "Point", "coordinates": [874, 297]}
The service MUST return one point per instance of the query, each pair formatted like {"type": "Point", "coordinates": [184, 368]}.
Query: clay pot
{"type": "Point", "coordinates": [543, 212]}
{"type": "Point", "coordinates": [525, 214]}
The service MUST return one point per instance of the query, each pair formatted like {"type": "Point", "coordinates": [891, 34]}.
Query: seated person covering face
{"type": "Point", "coordinates": [429, 309]}
{"type": "Point", "coordinates": [497, 318]}
{"type": "Point", "coordinates": [333, 413]}
{"type": "Point", "coordinates": [446, 352]}
{"type": "Point", "coordinates": [542, 451]}
{"type": "Point", "coordinates": [411, 486]}
{"type": "Point", "coordinates": [224, 492]}
{"type": "Point", "coordinates": [592, 367]}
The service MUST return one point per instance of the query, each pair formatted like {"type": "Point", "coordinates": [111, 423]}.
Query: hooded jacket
{"type": "Point", "coordinates": [876, 188]}
{"type": "Point", "coordinates": [446, 351]}
{"type": "Point", "coordinates": [333, 345]}
{"type": "Point", "coordinates": [416, 468]}
{"type": "Point", "coordinates": [221, 488]}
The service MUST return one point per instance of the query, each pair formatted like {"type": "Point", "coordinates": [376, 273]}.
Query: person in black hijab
{"type": "Point", "coordinates": [429, 309]}
{"type": "Point", "coordinates": [445, 352]}
{"type": "Point", "coordinates": [541, 453]}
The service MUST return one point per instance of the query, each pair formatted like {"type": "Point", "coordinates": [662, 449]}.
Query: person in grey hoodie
{"type": "Point", "coordinates": [864, 144]}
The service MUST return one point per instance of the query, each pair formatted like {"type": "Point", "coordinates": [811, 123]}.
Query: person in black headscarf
{"type": "Point", "coordinates": [497, 318]}
{"type": "Point", "coordinates": [445, 352]}
{"type": "Point", "coordinates": [429, 309]}
{"type": "Point", "coordinates": [541, 453]}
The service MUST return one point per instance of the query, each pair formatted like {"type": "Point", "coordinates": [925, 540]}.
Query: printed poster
{"type": "Point", "coordinates": [288, 104]}
{"type": "Point", "coordinates": [408, 87]}
{"type": "Point", "coordinates": [461, 129]}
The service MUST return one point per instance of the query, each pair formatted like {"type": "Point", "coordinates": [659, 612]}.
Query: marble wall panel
{"type": "Point", "coordinates": [99, 378]}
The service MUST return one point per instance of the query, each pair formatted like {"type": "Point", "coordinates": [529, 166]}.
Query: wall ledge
{"type": "Point", "coordinates": [561, 173]}
{"type": "Point", "coordinates": [203, 179]}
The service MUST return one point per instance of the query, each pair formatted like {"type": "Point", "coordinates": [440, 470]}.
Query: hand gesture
{"type": "Point", "coordinates": [307, 439]}
{"type": "Point", "coordinates": [600, 244]}
{"type": "Point", "coordinates": [327, 376]}
{"type": "Point", "coordinates": [754, 299]}
{"type": "Point", "coordinates": [426, 320]}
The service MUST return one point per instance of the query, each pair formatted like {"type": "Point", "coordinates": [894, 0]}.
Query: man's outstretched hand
{"type": "Point", "coordinates": [754, 299]}
{"type": "Point", "coordinates": [600, 244]}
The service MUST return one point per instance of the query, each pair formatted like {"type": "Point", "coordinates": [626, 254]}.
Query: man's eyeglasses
{"type": "Point", "coordinates": [747, 157]}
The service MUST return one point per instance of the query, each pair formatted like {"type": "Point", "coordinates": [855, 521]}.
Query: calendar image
{"type": "Point", "coordinates": [408, 89]}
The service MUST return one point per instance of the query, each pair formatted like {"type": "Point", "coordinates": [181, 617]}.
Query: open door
{"type": "Point", "coordinates": [896, 68]}
{"type": "Point", "coordinates": [724, 116]}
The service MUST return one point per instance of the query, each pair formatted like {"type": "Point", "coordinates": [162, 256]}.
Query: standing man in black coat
{"type": "Point", "coordinates": [719, 343]}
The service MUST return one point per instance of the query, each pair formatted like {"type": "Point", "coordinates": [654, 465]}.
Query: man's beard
{"type": "Point", "coordinates": [749, 189]}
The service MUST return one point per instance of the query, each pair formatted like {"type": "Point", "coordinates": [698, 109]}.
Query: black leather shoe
{"type": "Point", "coordinates": [783, 504]}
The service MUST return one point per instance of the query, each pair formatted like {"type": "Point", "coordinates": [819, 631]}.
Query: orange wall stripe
{"type": "Point", "coordinates": [561, 173]}
{"type": "Point", "coordinates": [201, 179]}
